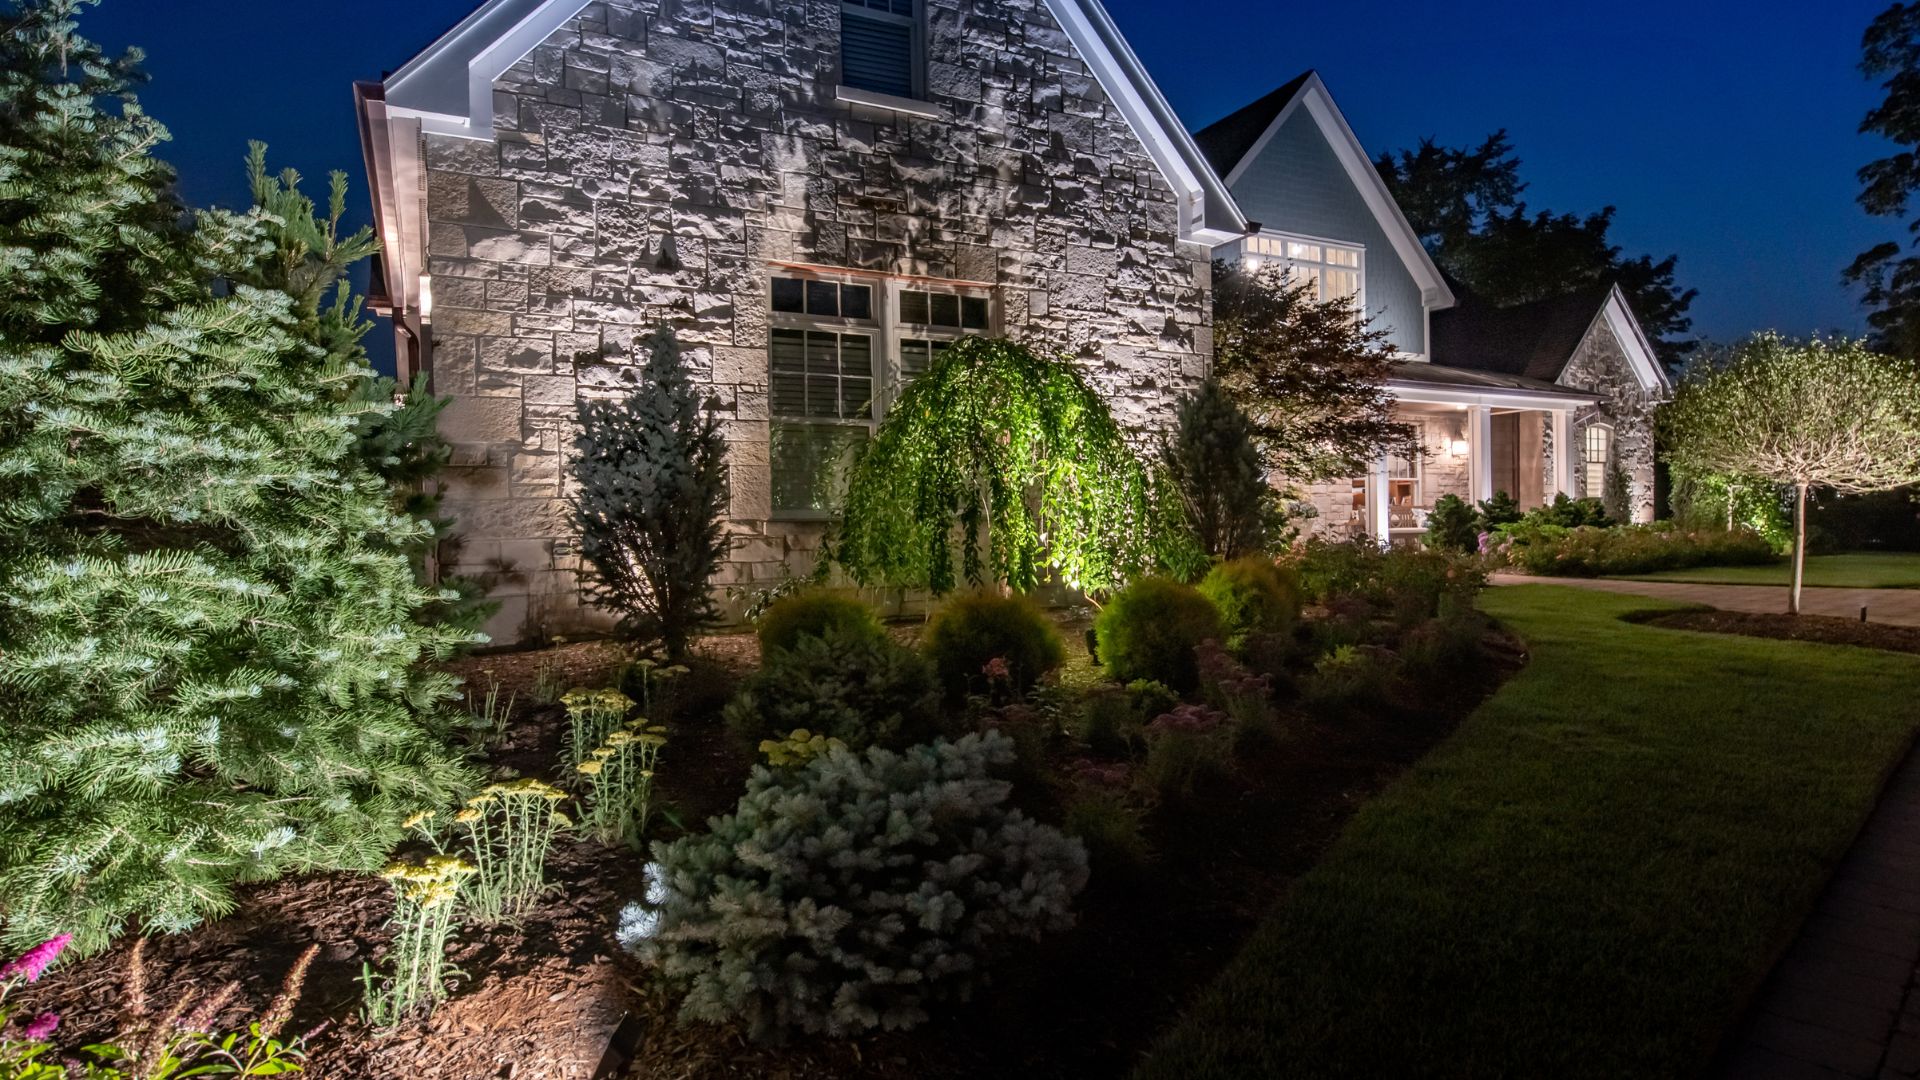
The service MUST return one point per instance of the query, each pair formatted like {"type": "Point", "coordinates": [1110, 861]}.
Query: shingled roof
{"type": "Point", "coordinates": [1533, 340]}
{"type": "Point", "coordinates": [1225, 141]}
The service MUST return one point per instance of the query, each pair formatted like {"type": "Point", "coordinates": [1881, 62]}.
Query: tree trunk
{"type": "Point", "coordinates": [1799, 546]}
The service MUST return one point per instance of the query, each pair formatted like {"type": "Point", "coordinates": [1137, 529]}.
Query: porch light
{"type": "Point", "coordinates": [426, 296]}
{"type": "Point", "coordinates": [1459, 448]}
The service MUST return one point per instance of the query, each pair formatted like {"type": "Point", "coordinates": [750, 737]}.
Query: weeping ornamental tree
{"type": "Point", "coordinates": [999, 465]}
{"type": "Point", "coordinates": [210, 632]}
{"type": "Point", "coordinates": [1824, 413]}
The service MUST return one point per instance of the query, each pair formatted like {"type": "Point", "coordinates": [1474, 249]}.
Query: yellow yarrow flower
{"type": "Point", "coordinates": [590, 768]}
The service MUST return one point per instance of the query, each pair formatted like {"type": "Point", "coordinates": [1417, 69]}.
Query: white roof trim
{"type": "Point", "coordinates": [1202, 194]}
{"type": "Point", "coordinates": [1625, 326]}
{"type": "Point", "coordinates": [1314, 98]}
{"type": "Point", "coordinates": [1494, 396]}
{"type": "Point", "coordinates": [449, 87]}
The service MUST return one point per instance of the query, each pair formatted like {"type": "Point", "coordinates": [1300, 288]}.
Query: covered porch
{"type": "Point", "coordinates": [1479, 433]}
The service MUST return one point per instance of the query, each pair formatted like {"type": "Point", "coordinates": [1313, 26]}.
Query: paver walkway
{"type": "Point", "coordinates": [1896, 607]}
{"type": "Point", "coordinates": [1844, 1003]}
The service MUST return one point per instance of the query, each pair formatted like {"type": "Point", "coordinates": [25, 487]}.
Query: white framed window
{"type": "Point", "coordinates": [880, 47]}
{"type": "Point", "coordinates": [1403, 474]}
{"type": "Point", "coordinates": [842, 346]}
{"type": "Point", "coordinates": [1336, 271]}
{"type": "Point", "coordinates": [1596, 458]}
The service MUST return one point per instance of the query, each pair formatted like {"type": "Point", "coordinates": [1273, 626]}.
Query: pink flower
{"type": "Point", "coordinates": [42, 1027]}
{"type": "Point", "coordinates": [996, 669]}
{"type": "Point", "coordinates": [36, 960]}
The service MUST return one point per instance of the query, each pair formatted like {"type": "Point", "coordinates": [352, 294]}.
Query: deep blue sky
{"type": "Point", "coordinates": [1724, 132]}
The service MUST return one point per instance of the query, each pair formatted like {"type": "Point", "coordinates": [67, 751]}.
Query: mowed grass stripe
{"type": "Point", "coordinates": [1587, 880]}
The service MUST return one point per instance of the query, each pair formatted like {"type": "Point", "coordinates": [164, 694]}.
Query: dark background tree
{"type": "Point", "coordinates": [1311, 376]}
{"type": "Point", "coordinates": [1887, 274]}
{"type": "Point", "coordinates": [1465, 204]}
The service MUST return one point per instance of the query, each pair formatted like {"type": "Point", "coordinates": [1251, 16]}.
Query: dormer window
{"type": "Point", "coordinates": [880, 48]}
{"type": "Point", "coordinates": [1335, 271]}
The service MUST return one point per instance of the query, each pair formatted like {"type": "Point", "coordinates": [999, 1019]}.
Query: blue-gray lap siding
{"type": "Point", "coordinates": [1297, 185]}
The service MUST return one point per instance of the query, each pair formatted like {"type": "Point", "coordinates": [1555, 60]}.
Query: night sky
{"type": "Point", "coordinates": [1724, 132]}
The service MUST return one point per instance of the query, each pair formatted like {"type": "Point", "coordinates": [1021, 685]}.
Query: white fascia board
{"type": "Point", "coordinates": [1158, 127]}
{"type": "Point", "coordinates": [1633, 341]}
{"type": "Point", "coordinates": [1492, 397]}
{"type": "Point", "coordinates": [1319, 104]}
{"type": "Point", "coordinates": [449, 87]}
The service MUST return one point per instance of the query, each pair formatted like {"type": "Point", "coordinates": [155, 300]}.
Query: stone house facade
{"type": "Point", "coordinates": [705, 164]}
{"type": "Point", "coordinates": [819, 195]}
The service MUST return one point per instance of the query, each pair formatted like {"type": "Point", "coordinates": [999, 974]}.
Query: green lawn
{"type": "Point", "coordinates": [1868, 570]}
{"type": "Point", "coordinates": [1586, 880]}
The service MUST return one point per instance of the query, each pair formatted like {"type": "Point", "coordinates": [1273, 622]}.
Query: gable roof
{"type": "Point", "coordinates": [1536, 340]}
{"type": "Point", "coordinates": [448, 89]}
{"type": "Point", "coordinates": [1237, 139]}
{"type": "Point", "coordinates": [1226, 141]}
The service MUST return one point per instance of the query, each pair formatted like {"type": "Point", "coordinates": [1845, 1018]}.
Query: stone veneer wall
{"type": "Point", "coordinates": [654, 155]}
{"type": "Point", "coordinates": [1601, 366]}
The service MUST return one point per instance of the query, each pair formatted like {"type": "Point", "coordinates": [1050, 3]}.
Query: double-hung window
{"type": "Point", "coordinates": [1597, 458]}
{"type": "Point", "coordinates": [841, 348]}
{"type": "Point", "coordinates": [880, 47]}
{"type": "Point", "coordinates": [1332, 271]}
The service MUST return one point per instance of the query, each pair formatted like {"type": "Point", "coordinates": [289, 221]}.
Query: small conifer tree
{"type": "Point", "coordinates": [1215, 467]}
{"type": "Point", "coordinates": [651, 499]}
{"type": "Point", "coordinates": [210, 650]}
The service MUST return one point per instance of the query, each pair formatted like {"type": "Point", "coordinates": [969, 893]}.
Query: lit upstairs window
{"type": "Point", "coordinates": [880, 46]}
{"type": "Point", "coordinates": [1333, 270]}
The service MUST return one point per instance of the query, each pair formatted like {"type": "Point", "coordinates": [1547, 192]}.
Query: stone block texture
{"type": "Point", "coordinates": [1600, 365]}
{"type": "Point", "coordinates": [654, 157]}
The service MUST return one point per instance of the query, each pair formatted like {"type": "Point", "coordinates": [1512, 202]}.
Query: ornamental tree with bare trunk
{"type": "Point", "coordinates": [1825, 412]}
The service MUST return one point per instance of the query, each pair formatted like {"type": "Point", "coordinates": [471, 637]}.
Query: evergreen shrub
{"type": "Point", "coordinates": [811, 613]}
{"type": "Point", "coordinates": [1214, 466]}
{"type": "Point", "coordinates": [650, 500]}
{"type": "Point", "coordinates": [1254, 595]}
{"type": "Point", "coordinates": [847, 685]}
{"type": "Point", "coordinates": [973, 629]}
{"type": "Point", "coordinates": [217, 663]}
{"type": "Point", "coordinates": [1453, 525]}
{"type": "Point", "coordinates": [856, 892]}
{"type": "Point", "coordinates": [1149, 631]}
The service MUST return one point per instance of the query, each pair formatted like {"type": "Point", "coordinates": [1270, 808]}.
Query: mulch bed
{"type": "Point", "coordinates": [541, 999]}
{"type": "Point", "coordinates": [1827, 629]}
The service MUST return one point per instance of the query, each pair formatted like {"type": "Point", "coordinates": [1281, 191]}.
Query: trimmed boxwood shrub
{"type": "Point", "coordinates": [811, 613]}
{"type": "Point", "coordinates": [973, 629]}
{"type": "Point", "coordinates": [863, 690]}
{"type": "Point", "coordinates": [1254, 595]}
{"type": "Point", "coordinates": [1150, 628]}
{"type": "Point", "coordinates": [855, 892]}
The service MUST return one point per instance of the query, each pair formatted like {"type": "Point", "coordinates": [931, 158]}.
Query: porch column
{"type": "Point", "coordinates": [1480, 452]}
{"type": "Point", "coordinates": [1562, 453]}
{"type": "Point", "coordinates": [1379, 513]}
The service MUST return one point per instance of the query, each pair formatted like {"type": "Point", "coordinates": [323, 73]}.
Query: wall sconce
{"type": "Point", "coordinates": [426, 297]}
{"type": "Point", "coordinates": [1459, 448]}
